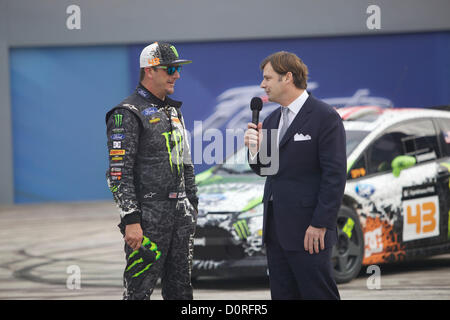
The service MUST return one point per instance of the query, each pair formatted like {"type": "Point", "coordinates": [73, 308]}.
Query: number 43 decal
{"type": "Point", "coordinates": [420, 218]}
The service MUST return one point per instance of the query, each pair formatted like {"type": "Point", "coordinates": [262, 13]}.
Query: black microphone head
{"type": "Point", "coordinates": [256, 103]}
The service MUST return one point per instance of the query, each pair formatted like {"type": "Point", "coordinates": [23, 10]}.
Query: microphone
{"type": "Point", "coordinates": [256, 106]}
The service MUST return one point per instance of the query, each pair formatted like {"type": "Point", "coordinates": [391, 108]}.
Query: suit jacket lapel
{"type": "Point", "coordinates": [272, 123]}
{"type": "Point", "coordinates": [300, 119]}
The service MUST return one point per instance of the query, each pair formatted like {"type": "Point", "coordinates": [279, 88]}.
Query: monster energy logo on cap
{"type": "Point", "coordinates": [118, 120]}
{"type": "Point", "coordinates": [175, 51]}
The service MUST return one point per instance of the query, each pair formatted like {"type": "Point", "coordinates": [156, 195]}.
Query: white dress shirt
{"type": "Point", "coordinates": [293, 108]}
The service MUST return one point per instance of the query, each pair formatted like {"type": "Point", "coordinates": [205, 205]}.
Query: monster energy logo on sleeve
{"type": "Point", "coordinates": [118, 120]}
{"type": "Point", "coordinates": [177, 137]}
{"type": "Point", "coordinates": [242, 230]}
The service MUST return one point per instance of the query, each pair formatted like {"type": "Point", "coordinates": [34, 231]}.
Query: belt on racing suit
{"type": "Point", "coordinates": [158, 196]}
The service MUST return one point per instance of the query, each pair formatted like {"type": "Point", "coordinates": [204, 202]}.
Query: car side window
{"type": "Point", "coordinates": [383, 151]}
{"type": "Point", "coordinates": [358, 169]}
{"type": "Point", "coordinates": [416, 138]}
{"type": "Point", "coordinates": [421, 141]}
{"type": "Point", "coordinates": [444, 136]}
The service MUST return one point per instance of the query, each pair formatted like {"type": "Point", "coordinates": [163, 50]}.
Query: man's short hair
{"type": "Point", "coordinates": [141, 74]}
{"type": "Point", "coordinates": [283, 62]}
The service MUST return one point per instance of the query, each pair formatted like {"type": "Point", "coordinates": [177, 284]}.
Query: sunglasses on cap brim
{"type": "Point", "coordinates": [170, 69]}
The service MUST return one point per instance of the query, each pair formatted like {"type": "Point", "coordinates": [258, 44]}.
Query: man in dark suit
{"type": "Point", "coordinates": [304, 140]}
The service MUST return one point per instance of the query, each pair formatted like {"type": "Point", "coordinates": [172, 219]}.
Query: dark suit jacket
{"type": "Point", "coordinates": [308, 186]}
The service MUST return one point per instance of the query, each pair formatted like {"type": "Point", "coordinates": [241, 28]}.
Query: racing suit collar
{"type": "Point", "coordinates": [144, 93]}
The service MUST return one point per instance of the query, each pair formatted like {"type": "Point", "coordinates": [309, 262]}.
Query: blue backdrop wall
{"type": "Point", "coordinates": [60, 96]}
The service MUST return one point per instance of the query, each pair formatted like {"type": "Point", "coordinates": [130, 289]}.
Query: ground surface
{"type": "Point", "coordinates": [43, 246]}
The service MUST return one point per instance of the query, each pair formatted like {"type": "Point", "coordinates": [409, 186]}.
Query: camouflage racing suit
{"type": "Point", "coordinates": [151, 176]}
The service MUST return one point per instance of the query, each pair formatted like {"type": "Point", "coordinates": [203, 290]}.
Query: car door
{"type": "Point", "coordinates": [443, 127]}
{"type": "Point", "coordinates": [392, 182]}
{"type": "Point", "coordinates": [424, 197]}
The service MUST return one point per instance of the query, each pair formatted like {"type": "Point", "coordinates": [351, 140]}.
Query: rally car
{"type": "Point", "coordinates": [395, 206]}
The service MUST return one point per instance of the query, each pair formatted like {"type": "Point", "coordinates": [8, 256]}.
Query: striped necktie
{"type": "Point", "coordinates": [283, 129]}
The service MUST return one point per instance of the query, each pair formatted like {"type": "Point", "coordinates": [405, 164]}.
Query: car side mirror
{"type": "Point", "coordinates": [400, 163]}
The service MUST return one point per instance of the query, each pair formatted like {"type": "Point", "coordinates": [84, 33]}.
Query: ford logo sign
{"type": "Point", "coordinates": [364, 190]}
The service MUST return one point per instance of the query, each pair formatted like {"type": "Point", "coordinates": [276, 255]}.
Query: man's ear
{"type": "Point", "coordinates": [289, 77]}
{"type": "Point", "coordinates": [149, 73]}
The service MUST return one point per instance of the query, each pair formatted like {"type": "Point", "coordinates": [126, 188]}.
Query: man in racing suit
{"type": "Point", "coordinates": [152, 179]}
